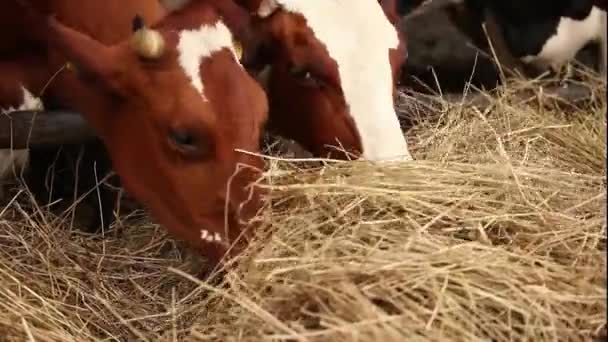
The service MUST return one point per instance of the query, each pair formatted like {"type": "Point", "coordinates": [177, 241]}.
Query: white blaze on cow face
{"type": "Point", "coordinates": [196, 45]}
{"type": "Point", "coordinates": [571, 36]}
{"type": "Point", "coordinates": [10, 159]}
{"type": "Point", "coordinates": [359, 37]}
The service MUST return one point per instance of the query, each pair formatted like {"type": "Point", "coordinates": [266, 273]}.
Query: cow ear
{"type": "Point", "coordinates": [88, 57]}
{"type": "Point", "coordinates": [390, 10]}
{"type": "Point", "coordinates": [240, 24]}
{"type": "Point", "coordinates": [267, 8]}
{"type": "Point", "coordinates": [260, 47]}
{"type": "Point", "coordinates": [258, 54]}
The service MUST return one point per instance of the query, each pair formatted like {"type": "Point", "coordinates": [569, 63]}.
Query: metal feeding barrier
{"type": "Point", "coordinates": [23, 129]}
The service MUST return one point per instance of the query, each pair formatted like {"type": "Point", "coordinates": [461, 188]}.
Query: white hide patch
{"type": "Point", "coordinates": [358, 37]}
{"type": "Point", "coordinates": [571, 36]}
{"type": "Point", "coordinates": [10, 159]}
{"type": "Point", "coordinates": [195, 45]}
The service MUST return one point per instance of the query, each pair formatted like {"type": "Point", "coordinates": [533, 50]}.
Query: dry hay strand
{"type": "Point", "coordinates": [499, 234]}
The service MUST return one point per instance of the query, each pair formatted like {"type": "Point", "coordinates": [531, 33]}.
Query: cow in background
{"type": "Point", "coordinates": [441, 58]}
{"type": "Point", "coordinates": [329, 69]}
{"type": "Point", "coordinates": [535, 36]}
{"type": "Point", "coordinates": [51, 172]}
{"type": "Point", "coordinates": [20, 76]}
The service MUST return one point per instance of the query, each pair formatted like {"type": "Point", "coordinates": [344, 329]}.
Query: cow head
{"type": "Point", "coordinates": [173, 106]}
{"type": "Point", "coordinates": [330, 74]}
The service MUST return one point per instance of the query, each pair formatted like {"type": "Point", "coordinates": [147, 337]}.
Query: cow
{"type": "Point", "coordinates": [22, 77]}
{"type": "Point", "coordinates": [329, 69]}
{"type": "Point", "coordinates": [176, 111]}
{"type": "Point", "coordinates": [15, 95]}
{"type": "Point", "coordinates": [537, 36]}
{"type": "Point", "coordinates": [53, 173]}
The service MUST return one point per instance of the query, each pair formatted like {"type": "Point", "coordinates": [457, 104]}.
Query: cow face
{"type": "Point", "coordinates": [332, 66]}
{"type": "Point", "coordinates": [174, 107]}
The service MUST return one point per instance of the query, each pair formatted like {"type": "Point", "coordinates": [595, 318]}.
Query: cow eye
{"type": "Point", "coordinates": [182, 138]}
{"type": "Point", "coordinates": [304, 75]}
{"type": "Point", "coordinates": [300, 72]}
{"type": "Point", "coordinates": [189, 143]}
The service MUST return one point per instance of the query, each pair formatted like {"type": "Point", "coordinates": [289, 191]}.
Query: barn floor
{"type": "Point", "coordinates": [497, 233]}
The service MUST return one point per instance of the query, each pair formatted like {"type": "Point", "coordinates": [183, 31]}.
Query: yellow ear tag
{"type": "Point", "coordinates": [238, 49]}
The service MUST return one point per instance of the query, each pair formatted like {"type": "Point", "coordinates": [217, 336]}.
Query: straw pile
{"type": "Point", "coordinates": [496, 233]}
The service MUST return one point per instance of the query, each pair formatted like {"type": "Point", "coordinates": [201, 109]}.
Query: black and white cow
{"type": "Point", "coordinates": [542, 34]}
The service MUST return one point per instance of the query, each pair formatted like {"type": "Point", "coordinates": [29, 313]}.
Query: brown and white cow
{"type": "Point", "coordinates": [22, 77]}
{"type": "Point", "coordinates": [172, 105]}
{"type": "Point", "coordinates": [330, 69]}
{"type": "Point", "coordinates": [24, 67]}
{"type": "Point", "coordinates": [59, 158]}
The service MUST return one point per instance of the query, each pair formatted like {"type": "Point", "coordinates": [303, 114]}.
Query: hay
{"type": "Point", "coordinates": [498, 234]}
